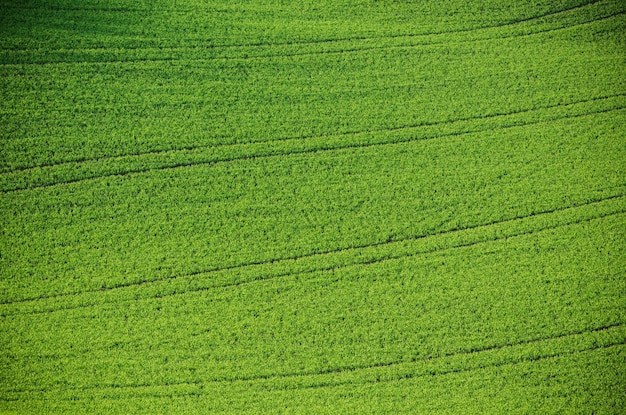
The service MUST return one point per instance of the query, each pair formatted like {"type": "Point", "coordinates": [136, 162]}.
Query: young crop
{"type": "Point", "coordinates": [312, 207]}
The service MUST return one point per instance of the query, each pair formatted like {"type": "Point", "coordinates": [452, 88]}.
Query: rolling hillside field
{"type": "Point", "coordinates": [316, 207]}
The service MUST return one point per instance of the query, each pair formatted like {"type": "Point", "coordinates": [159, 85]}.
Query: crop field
{"type": "Point", "coordinates": [323, 207]}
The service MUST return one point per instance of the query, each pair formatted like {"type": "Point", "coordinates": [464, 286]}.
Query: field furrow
{"type": "Point", "coordinates": [318, 207]}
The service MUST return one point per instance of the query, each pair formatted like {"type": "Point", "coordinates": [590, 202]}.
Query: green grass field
{"type": "Point", "coordinates": [323, 207]}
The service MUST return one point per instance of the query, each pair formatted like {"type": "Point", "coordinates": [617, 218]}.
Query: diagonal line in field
{"type": "Point", "coordinates": [308, 137]}
{"type": "Point", "coordinates": [347, 50]}
{"type": "Point", "coordinates": [355, 49]}
{"type": "Point", "coordinates": [272, 277]}
{"type": "Point", "coordinates": [317, 254]}
{"type": "Point", "coordinates": [307, 41]}
{"type": "Point", "coordinates": [452, 371]}
{"type": "Point", "coordinates": [356, 368]}
{"type": "Point", "coordinates": [313, 150]}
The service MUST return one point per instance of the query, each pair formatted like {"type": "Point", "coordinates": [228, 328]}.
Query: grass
{"type": "Point", "coordinates": [317, 207]}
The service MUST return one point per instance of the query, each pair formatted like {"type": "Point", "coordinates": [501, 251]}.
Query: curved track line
{"type": "Point", "coordinates": [344, 369]}
{"type": "Point", "coordinates": [278, 153]}
{"type": "Point", "coordinates": [312, 53]}
{"type": "Point", "coordinates": [315, 386]}
{"type": "Point", "coordinates": [364, 49]}
{"type": "Point", "coordinates": [274, 277]}
{"type": "Point", "coordinates": [271, 277]}
{"type": "Point", "coordinates": [326, 253]}
{"type": "Point", "coordinates": [308, 137]}
{"type": "Point", "coordinates": [318, 41]}
{"type": "Point", "coordinates": [439, 373]}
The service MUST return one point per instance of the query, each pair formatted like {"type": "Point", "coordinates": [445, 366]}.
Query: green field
{"type": "Point", "coordinates": [346, 206]}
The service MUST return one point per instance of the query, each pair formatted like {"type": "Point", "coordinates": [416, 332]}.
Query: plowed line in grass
{"type": "Point", "coordinates": [451, 371]}
{"type": "Point", "coordinates": [356, 368]}
{"type": "Point", "coordinates": [285, 274]}
{"type": "Point", "coordinates": [278, 153]}
{"type": "Point", "coordinates": [487, 348]}
{"type": "Point", "coordinates": [393, 257]}
{"type": "Point", "coordinates": [302, 42]}
{"type": "Point", "coordinates": [356, 50]}
{"type": "Point", "coordinates": [318, 254]}
{"type": "Point", "coordinates": [312, 53]}
{"type": "Point", "coordinates": [308, 137]}
{"type": "Point", "coordinates": [316, 386]}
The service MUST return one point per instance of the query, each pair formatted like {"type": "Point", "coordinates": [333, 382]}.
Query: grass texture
{"type": "Point", "coordinates": [340, 207]}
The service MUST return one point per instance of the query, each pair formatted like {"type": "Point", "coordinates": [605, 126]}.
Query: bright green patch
{"type": "Point", "coordinates": [312, 207]}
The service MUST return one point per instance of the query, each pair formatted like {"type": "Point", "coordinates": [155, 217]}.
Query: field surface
{"type": "Point", "coordinates": [324, 207]}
